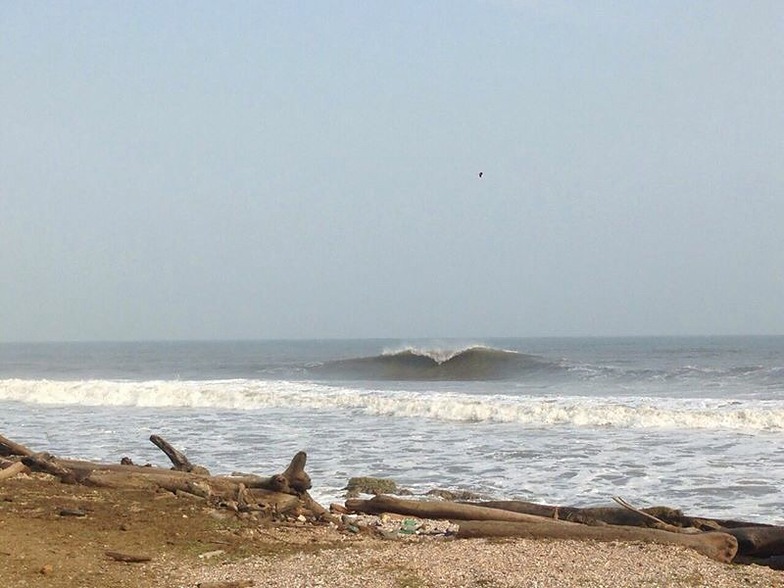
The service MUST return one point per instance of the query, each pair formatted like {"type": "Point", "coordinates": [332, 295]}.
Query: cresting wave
{"type": "Point", "coordinates": [528, 410]}
{"type": "Point", "coordinates": [468, 364]}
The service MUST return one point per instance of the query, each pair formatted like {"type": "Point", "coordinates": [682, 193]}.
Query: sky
{"type": "Point", "coordinates": [265, 170]}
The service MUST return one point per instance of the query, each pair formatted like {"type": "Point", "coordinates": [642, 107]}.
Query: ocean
{"type": "Point", "coordinates": [692, 423]}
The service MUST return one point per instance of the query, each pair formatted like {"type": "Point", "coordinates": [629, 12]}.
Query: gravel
{"type": "Point", "coordinates": [424, 561]}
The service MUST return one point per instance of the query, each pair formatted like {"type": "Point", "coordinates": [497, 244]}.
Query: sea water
{"type": "Point", "coordinates": [693, 423]}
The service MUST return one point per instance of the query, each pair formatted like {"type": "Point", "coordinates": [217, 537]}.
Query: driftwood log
{"type": "Point", "coordinates": [591, 516]}
{"type": "Point", "coordinates": [714, 544]}
{"type": "Point", "coordinates": [181, 463]}
{"type": "Point", "coordinates": [227, 584]}
{"type": "Point", "coordinates": [617, 516]}
{"type": "Point", "coordinates": [757, 542]}
{"type": "Point", "coordinates": [750, 542]}
{"type": "Point", "coordinates": [12, 470]}
{"type": "Point", "coordinates": [8, 447]}
{"type": "Point", "coordinates": [436, 510]}
{"type": "Point", "coordinates": [128, 557]}
{"type": "Point", "coordinates": [282, 493]}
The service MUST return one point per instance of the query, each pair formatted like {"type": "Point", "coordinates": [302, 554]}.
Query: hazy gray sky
{"type": "Point", "coordinates": [215, 170]}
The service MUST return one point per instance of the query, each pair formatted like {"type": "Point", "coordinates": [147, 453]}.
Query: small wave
{"type": "Point", "coordinates": [471, 363]}
{"type": "Point", "coordinates": [698, 375]}
{"type": "Point", "coordinates": [532, 411]}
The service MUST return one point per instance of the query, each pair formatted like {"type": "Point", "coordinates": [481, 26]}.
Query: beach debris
{"type": "Point", "coordinates": [392, 526]}
{"type": "Point", "coordinates": [227, 584]}
{"type": "Point", "coordinates": [279, 495]}
{"type": "Point", "coordinates": [12, 469]}
{"type": "Point", "coordinates": [8, 447]}
{"type": "Point", "coordinates": [127, 557]}
{"type": "Point", "coordinates": [337, 508]}
{"type": "Point", "coordinates": [409, 526]}
{"type": "Point", "coordinates": [720, 539]}
{"type": "Point", "coordinates": [181, 463]}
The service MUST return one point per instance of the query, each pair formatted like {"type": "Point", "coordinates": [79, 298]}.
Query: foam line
{"type": "Point", "coordinates": [529, 410]}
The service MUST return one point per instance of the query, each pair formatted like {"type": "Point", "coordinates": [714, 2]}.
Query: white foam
{"type": "Point", "coordinates": [443, 354]}
{"type": "Point", "coordinates": [529, 410]}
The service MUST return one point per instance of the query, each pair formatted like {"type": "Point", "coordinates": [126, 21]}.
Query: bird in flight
{"type": "Point", "coordinates": [481, 174]}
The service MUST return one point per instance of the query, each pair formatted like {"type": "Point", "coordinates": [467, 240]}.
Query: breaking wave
{"type": "Point", "coordinates": [527, 410]}
{"type": "Point", "coordinates": [468, 364]}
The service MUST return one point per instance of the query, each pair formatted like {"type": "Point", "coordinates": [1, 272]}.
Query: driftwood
{"type": "Point", "coordinates": [43, 462]}
{"type": "Point", "coordinates": [753, 543]}
{"type": "Point", "coordinates": [436, 510]}
{"type": "Point", "coordinates": [716, 545]}
{"type": "Point", "coordinates": [128, 557]}
{"type": "Point", "coordinates": [618, 516]}
{"type": "Point", "coordinates": [757, 542]}
{"type": "Point", "coordinates": [593, 515]}
{"type": "Point", "coordinates": [12, 470]}
{"type": "Point", "coordinates": [8, 447]}
{"type": "Point", "coordinates": [277, 494]}
{"type": "Point", "coordinates": [227, 584]}
{"type": "Point", "coordinates": [181, 463]}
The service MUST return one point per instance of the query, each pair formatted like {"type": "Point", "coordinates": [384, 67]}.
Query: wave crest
{"type": "Point", "coordinates": [470, 363]}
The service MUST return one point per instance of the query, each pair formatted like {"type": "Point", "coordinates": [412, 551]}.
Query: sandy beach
{"type": "Point", "coordinates": [58, 535]}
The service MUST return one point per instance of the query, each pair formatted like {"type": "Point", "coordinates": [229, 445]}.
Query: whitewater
{"type": "Point", "coordinates": [693, 423]}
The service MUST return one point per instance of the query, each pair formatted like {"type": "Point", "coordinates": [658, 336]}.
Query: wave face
{"type": "Point", "coordinates": [527, 410]}
{"type": "Point", "coordinates": [469, 364]}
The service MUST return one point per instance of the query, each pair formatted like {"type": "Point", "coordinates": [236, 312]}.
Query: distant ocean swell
{"type": "Point", "coordinates": [528, 410]}
{"type": "Point", "coordinates": [468, 364]}
{"type": "Point", "coordinates": [480, 363]}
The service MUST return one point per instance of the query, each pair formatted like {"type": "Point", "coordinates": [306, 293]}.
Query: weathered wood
{"type": "Point", "coordinates": [274, 502]}
{"type": "Point", "coordinates": [715, 545]}
{"type": "Point", "coordinates": [178, 459]}
{"type": "Point", "coordinates": [227, 584]}
{"type": "Point", "coordinates": [13, 470]}
{"type": "Point", "coordinates": [485, 521]}
{"type": "Point", "coordinates": [295, 475]}
{"type": "Point", "coordinates": [617, 516]}
{"type": "Point", "coordinates": [652, 521]}
{"type": "Point", "coordinates": [43, 462]}
{"type": "Point", "coordinates": [279, 493]}
{"type": "Point", "coordinates": [128, 557]}
{"type": "Point", "coordinates": [437, 510]}
{"type": "Point", "coordinates": [774, 562]}
{"type": "Point", "coordinates": [293, 480]}
{"type": "Point", "coordinates": [759, 542]}
{"type": "Point", "coordinates": [318, 511]}
{"type": "Point", "coordinates": [707, 524]}
{"type": "Point", "coordinates": [276, 483]}
{"type": "Point", "coordinates": [755, 540]}
{"type": "Point", "coordinates": [8, 447]}
{"type": "Point", "coordinates": [590, 515]}
{"type": "Point", "coordinates": [155, 478]}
